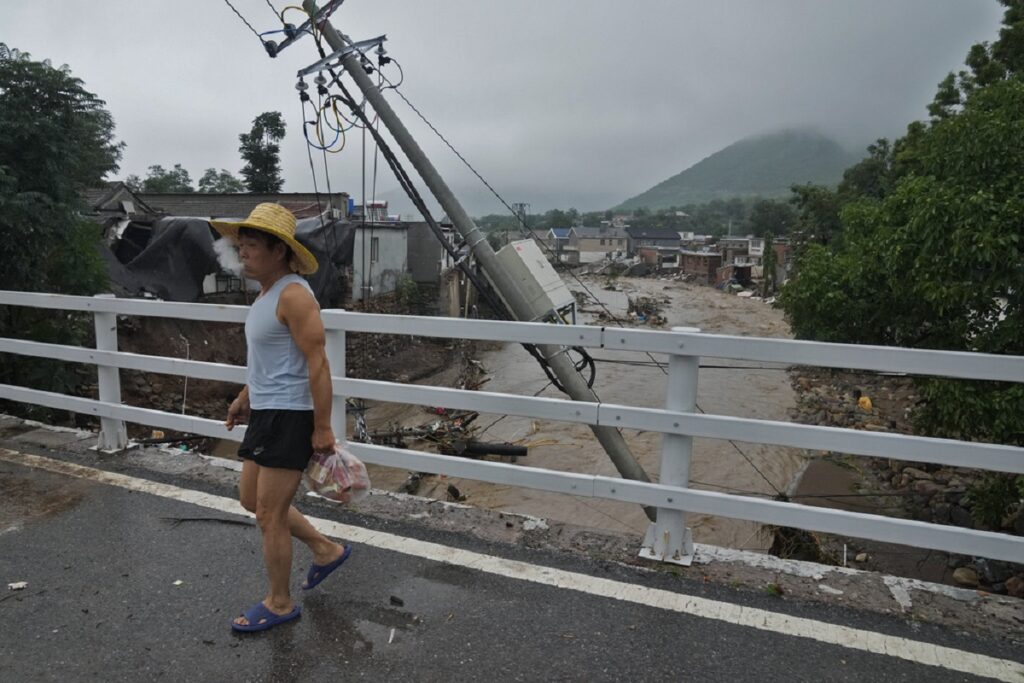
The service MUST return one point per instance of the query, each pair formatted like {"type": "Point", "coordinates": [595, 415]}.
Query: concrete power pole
{"type": "Point", "coordinates": [561, 365]}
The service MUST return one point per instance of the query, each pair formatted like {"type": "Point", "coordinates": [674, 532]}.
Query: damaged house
{"type": "Point", "coordinates": [163, 246]}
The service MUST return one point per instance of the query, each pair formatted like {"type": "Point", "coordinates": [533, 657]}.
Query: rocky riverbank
{"type": "Point", "coordinates": [931, 493]}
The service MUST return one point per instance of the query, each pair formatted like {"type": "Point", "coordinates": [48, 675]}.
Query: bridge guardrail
{"type": "Point", "coordinates": [667, 539]}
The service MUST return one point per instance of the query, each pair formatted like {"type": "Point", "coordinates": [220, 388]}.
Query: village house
{"type": "Point", "coordinates": [741, 274]}
{"type": "Point", "coordinates": [694, 242]}
{"type": "Point", "coordinates": [161, 244]}
{"type": "Point", "coordinates": [542, 236]}
{"type": "Point", "coordinates": [701, 265]}
{"type": "Point", "coordinates": [380, 258]}
{"type": "Point", "coordinates": [596, 244]}
{"type": "Point", "coordinates": [733, 248]}
{"type": "Point", "coordinates": [651, 237]}
{"type": "Point", "coordinates": [659, 258]}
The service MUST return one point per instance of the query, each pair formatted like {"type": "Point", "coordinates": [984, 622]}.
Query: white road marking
{"type": "Point", "coordinates": [740, 615]}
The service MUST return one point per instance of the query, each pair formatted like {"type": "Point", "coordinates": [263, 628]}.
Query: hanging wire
{"type": "Point", "coordinates": [244, 21]}
{"type": "Point", "coordinates": [523, 228]}
{"type": "Point", "coordinates": [309, 153]}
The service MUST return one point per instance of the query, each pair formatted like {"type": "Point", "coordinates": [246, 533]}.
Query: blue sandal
{"type": "Point", "coordinates": [318, 573]}
{"type": "Point", "coordinates": [260, 618]}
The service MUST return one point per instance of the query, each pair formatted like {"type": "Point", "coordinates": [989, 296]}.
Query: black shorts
{"type": "Point", "coordinates": [279, 438]}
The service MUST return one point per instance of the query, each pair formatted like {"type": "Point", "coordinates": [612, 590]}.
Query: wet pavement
{"type": "Point", "coordinates": [126, 585]}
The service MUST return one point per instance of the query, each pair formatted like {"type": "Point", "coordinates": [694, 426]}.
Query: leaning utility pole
{"type": "Point", "coordinates": [559, 362]}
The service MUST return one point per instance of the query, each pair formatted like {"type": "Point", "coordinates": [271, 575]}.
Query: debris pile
{"type": "Point", "coordinates": [647, 310]}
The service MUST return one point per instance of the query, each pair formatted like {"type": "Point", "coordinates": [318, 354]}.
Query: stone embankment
{"type": "Point", "coordinates": [931, 493]}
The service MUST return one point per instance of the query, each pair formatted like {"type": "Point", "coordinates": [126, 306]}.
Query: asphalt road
{"type": "Point", "coordinates": [104, 602]}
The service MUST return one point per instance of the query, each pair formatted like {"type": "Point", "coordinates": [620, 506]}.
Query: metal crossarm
{"type": "Point", "coordinates": [333, 60]}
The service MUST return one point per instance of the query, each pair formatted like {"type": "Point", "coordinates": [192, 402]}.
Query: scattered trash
{"type": "Point", "coordinates": [391, 638]}
{"type": "Point", "coordinates": [531, 524]}
{"type": "Point", "coordinates": [175, 521]}
{"type": "Point", "coordinates": [18, 585]}
{"type": "Point", "coordinates": [865, 404]}
{"type": "Point", "coordinates": [157, 434]}
{"type": "Point", "coordinates": [861, 557]}
{"type": "Point", "coordinates": [178, 582]}
{"type": "Point", "coordinates": [397, 601]}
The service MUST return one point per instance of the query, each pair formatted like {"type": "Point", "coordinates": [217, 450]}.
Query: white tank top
{"type": "Point", "coordinates": [277, 374]}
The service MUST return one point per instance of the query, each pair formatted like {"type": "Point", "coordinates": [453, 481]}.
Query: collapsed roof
{"type": "Point", "coordinates": [175, 257]}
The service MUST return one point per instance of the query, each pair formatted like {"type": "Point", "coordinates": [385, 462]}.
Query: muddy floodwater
{"type": "Point", "coordinates": [758, 390]}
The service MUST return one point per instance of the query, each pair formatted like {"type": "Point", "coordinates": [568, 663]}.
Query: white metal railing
{"type": "Point", "coordinates": [667, 538]}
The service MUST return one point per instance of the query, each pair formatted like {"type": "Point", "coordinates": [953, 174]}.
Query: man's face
{"type": "Point", "coordinates": [257, 258]}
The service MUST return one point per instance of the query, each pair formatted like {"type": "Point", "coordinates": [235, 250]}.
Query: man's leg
{"type": "Point", "coordinates": [324, 549]}
{"type": "Point", "coordinates": [275, 489]}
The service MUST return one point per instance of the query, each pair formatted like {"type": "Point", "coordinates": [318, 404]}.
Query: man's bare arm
{"type": "Point", "coordinates": [238, 412]}
{"type": "Point", "coordinates": [299, 311]}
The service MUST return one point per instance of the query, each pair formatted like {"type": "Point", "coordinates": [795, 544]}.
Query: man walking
{"type": "Point", "coordinates": [286, 403]}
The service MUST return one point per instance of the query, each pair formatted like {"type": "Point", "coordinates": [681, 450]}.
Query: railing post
{"type": "Point", "coordinates": [113, 434]}
{"type": "Point", "coordinates": [668, 539]}
{"type": "Point", "coordinates": [336, 360]}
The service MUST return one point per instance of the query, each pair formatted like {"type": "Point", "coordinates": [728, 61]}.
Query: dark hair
{"type": "Point", "coordinates": [269, 240]}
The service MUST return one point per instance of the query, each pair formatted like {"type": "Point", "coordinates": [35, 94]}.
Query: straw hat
{"type": "Point", "coordinates": [279, 222]}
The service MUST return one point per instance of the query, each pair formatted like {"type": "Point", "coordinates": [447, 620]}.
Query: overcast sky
{"type": "Point", "coordinates": [557, 102]}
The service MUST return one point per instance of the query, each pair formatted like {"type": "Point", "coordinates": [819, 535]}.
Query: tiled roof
{"type": "Point", "coordinates": [652, 233]}
{"type": "Point", "coordinates": [238, 205]}
{"type": "Point", "coordinates": [600, 233]}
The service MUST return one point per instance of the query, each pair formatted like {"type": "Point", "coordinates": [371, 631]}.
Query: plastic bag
{"type": "Point", "coordinates": [338, 476]}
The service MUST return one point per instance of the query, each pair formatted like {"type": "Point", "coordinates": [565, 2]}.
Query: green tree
{"type": "Point", "coordinates": [768, 216]}
{"type": "Point", "coordinates": [161, 180]}
{"type": "Point", "coordinates": [768, 263]}
{"type": "Point", "coordinates": [936, 263]}
{"type": "Point", "coordinates": [221, 182]}
{"type": "Point", "coordinates": [56, 140]}
{"type": "Point", "coordinates": [817, 220]}
{"type": "Point", "coordinates": [259, 148]}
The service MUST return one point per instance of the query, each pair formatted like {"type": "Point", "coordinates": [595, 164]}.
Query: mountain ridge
{"type": "Point", "coordinates": [763, 165]}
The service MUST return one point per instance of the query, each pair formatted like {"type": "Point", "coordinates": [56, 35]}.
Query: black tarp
{"type": "Point", "coordinates": [180, 254]}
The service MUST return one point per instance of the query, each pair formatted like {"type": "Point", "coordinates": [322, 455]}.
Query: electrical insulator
{"type": "Point", "coordinates": [320, 79]}
{"type": "Point", "coordinates": [302, 86]}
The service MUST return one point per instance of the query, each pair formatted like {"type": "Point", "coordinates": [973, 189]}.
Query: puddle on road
{"type": "Point", "coordinates": [762, 392]}
{"type": "Point", "coordinates": [356, 628]}
{"type": "Point", "coordinates": [33, 495]}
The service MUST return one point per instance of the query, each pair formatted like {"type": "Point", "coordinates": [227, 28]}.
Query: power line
{"type": "Point", "coordinates": [254, 31]}
{"type": "Point", "coordinates": [524, 228]}
{"type": "Point", "coordinates": [312, 170]}
{"type": "Point", "coordinates": [522, 223]}
{"type": "Point", "coordinates": [750, 462]}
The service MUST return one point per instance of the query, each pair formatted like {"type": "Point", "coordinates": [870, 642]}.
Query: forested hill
{"type": "Point", "coordinates": [764, 166]}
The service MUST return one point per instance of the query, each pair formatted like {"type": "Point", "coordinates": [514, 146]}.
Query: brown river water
{"type": "Point", "coordinates": [762, 391]}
